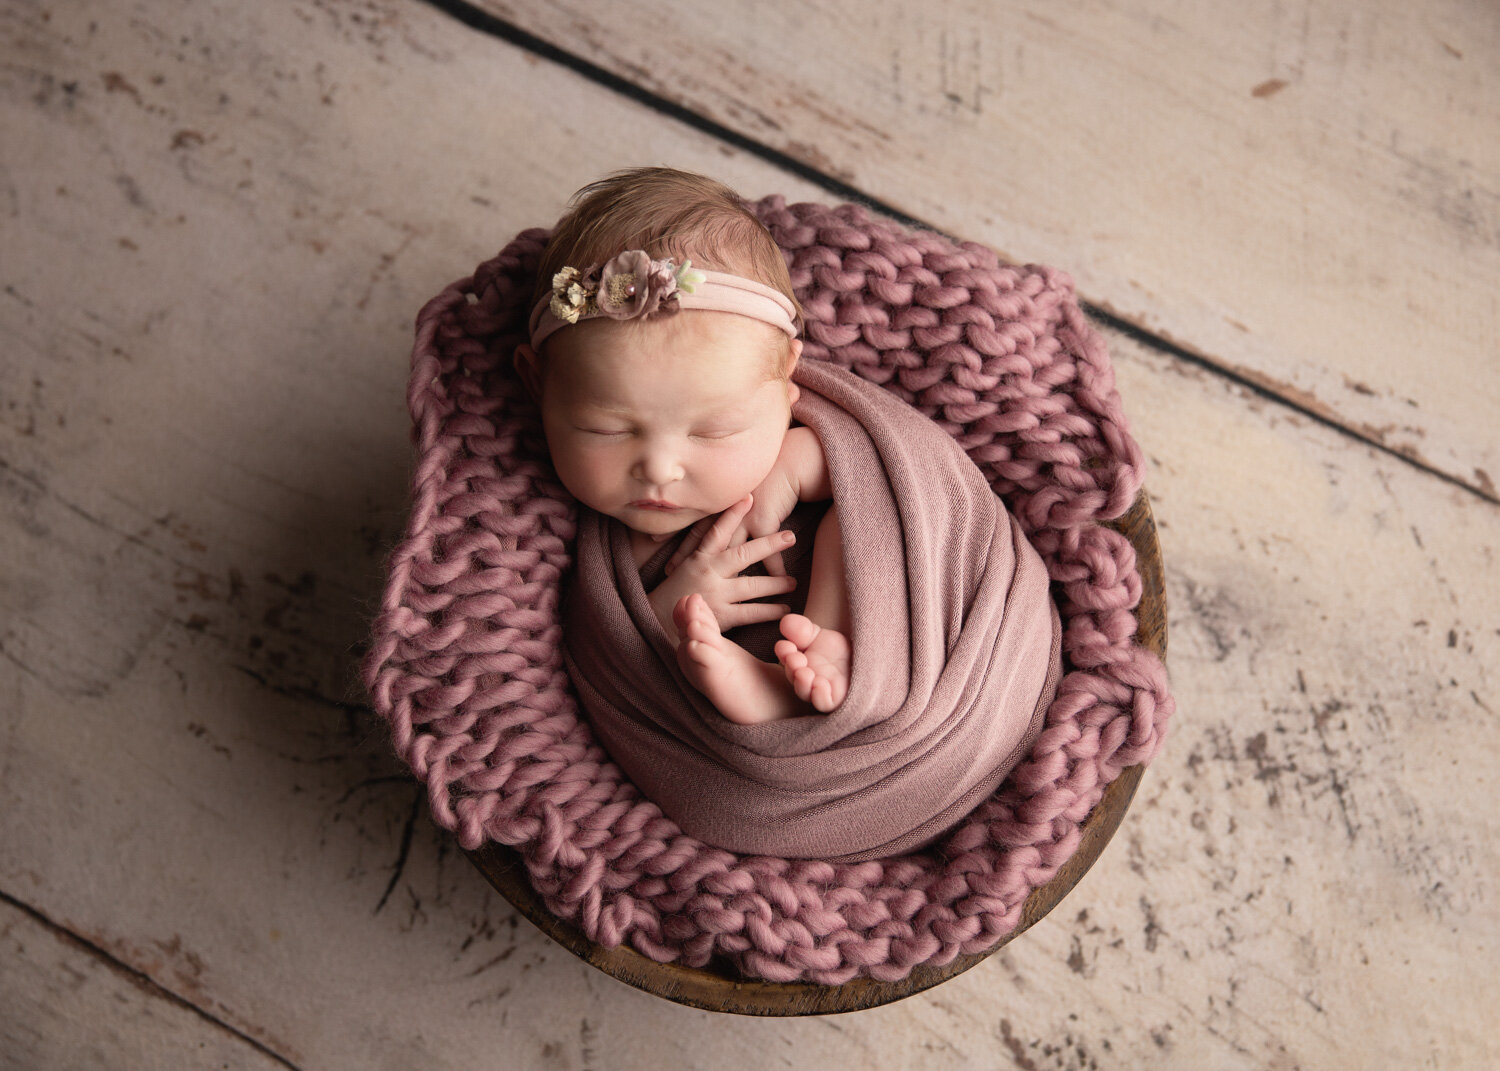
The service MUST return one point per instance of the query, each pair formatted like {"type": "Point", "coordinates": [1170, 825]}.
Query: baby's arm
{"type": "Point", "coordinates": [804, 465]}
{"type": "Point", "coordinates": [799, 475]}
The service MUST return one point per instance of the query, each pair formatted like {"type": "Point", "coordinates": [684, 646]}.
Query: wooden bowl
{"type": "Point", "coordinates": [719, 987]}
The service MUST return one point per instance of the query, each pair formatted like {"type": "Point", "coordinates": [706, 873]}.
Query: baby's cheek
{"type": "Point", "coordinates": [577, 474]}
{"type": "Point", "coordinates": [751, 472]}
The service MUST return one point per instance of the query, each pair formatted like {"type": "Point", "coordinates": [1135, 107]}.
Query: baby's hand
{"type": "Point", "coordinates": [799, 475]}
{"type": "Point", "coordinates": [712, 569]}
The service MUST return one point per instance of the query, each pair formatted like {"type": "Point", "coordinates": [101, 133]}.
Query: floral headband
{"type": "Point", "coordinates": [632, 285]}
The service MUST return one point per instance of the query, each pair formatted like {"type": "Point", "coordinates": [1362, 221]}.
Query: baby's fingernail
{"type": "Point", "coordinates": [787, 537]}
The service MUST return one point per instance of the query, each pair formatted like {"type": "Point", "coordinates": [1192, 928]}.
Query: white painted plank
{"type": "Point", "coordinates": [190, 543]}
{"type": "Point", "coordinates": [1306, 878]}
{"type": "Point", "coordinates": [1306, 193]}
{"type": "Point", "coordinates": [64, 1006]}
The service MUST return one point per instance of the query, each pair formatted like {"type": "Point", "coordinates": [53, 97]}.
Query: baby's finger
{"type": "Point", "coordinates": [763, 549]}
{"type": "Point", "coordinates": [758, 587]}
{"type": "Point", "coordinates": [761, 527]}
{"type": "Point", "coordinates": [720, 536]}
{"type": "Point", "coordinates": [752, 613]}
{"type": "Point", "coordinates": [689, 544]}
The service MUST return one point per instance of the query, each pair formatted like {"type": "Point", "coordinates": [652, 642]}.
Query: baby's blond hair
{"type": "Point", "coordinates": [667, 213]}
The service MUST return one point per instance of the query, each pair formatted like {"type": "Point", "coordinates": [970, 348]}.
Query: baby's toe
{"type": "Point", "coordinates": [682, 613]}
{"type": "Point", "coordinates": [692, 648]}
{"type": "Point", "coordinates": [701, 633]}
{"type": "Point", "coordinates": [838, 688]}
{"type": "Point", "coordinates": [804, 681]}
{"type": "Point", "coordinates": [699, 622]}
{"type": "Point", "coordinates": [799, 630]}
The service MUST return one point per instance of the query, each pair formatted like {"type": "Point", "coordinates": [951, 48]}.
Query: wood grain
{"type": "Point", "coordinates": [1305, 194]}
{"type": "Point", "coordinates": [203, 455]}
{"type": "Point", "coordinates": [66, 1006]}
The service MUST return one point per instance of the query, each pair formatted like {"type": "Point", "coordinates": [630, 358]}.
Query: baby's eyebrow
{"type": "Point", "coordinates": [603, 405]}
{"type": "Point", "coordinates": [730, 415]}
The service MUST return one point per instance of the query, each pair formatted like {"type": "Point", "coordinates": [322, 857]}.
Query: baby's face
{"type": "Point", "coordinates": [660, 423]}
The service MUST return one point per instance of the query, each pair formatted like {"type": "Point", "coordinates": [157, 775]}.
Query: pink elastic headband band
{"type": "Point", "coordinates": [632, 285]}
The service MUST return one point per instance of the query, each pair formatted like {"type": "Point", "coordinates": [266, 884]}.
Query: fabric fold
{"type": "Point", "coordinates": [956, 654]}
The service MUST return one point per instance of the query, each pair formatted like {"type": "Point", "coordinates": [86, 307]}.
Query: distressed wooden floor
{"type": "Point", "coordinates": [217, 221]}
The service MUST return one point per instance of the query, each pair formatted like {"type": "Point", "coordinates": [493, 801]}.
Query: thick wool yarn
{"type": "Point", "coordinates": [466, 668]}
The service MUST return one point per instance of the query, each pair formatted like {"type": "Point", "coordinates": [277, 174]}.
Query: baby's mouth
{"type": "Point", "coordinates": [660, 505]}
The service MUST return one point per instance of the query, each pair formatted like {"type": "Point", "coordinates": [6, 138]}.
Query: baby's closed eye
{"type": "Point", "coordinates": [717, 432]}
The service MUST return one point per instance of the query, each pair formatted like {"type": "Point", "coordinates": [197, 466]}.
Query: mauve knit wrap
{"type": "Point", "coordinates": [466, 666]}
{"type": "Point", "coordinates": [956, 649]}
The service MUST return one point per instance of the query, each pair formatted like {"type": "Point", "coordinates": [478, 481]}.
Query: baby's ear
{"type": "Point", "coordinates": [529, 369]}
{"type": "Point", "coordinates": [793, 392]}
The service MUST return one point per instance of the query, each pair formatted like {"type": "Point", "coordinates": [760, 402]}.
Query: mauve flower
{"type": "Point", "coordinates": [632, 285]}
{"type": "Point", "coordinates": [663, 277]}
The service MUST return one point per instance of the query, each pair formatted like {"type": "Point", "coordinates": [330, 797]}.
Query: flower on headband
{"type": "Point", "coordinates": [689, 277]}
{"type": "Point", "coordinates": [570, 299]}
{"type": "Point", "coordinates": [632, 284]}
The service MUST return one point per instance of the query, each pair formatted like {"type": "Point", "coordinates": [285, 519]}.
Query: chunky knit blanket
{"type": "Point", "coordinates": [465, 663]}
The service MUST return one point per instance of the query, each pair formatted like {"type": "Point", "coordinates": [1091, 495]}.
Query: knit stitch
{"type": "Point", "coordinates": [465, 664]}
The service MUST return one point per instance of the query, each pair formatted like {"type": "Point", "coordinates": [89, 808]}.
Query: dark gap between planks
{"type": "Point", "coordinates": [137, 977]}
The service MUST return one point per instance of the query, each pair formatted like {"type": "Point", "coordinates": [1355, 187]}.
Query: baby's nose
{"type": "Point", "coordinates": [658, 467]}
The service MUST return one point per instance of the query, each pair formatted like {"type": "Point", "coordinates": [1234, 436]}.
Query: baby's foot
{"type": "Point", "coordinates": [741, 686]}
{"type": "Point", "coordinates": [816, 661]}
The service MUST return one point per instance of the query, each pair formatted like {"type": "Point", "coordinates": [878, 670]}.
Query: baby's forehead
{"type": "Point", "coordinates": [690, 326]}
{"type": "Point", "coordinates": [599, 388]}
{"type": "Point", "coordinates": [685, 342]}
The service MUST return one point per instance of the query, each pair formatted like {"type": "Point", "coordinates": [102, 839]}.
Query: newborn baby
{"type": "Point", "coordinates": [666, 398]}
{"type": "Point", "coordinates": [872, 702]}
